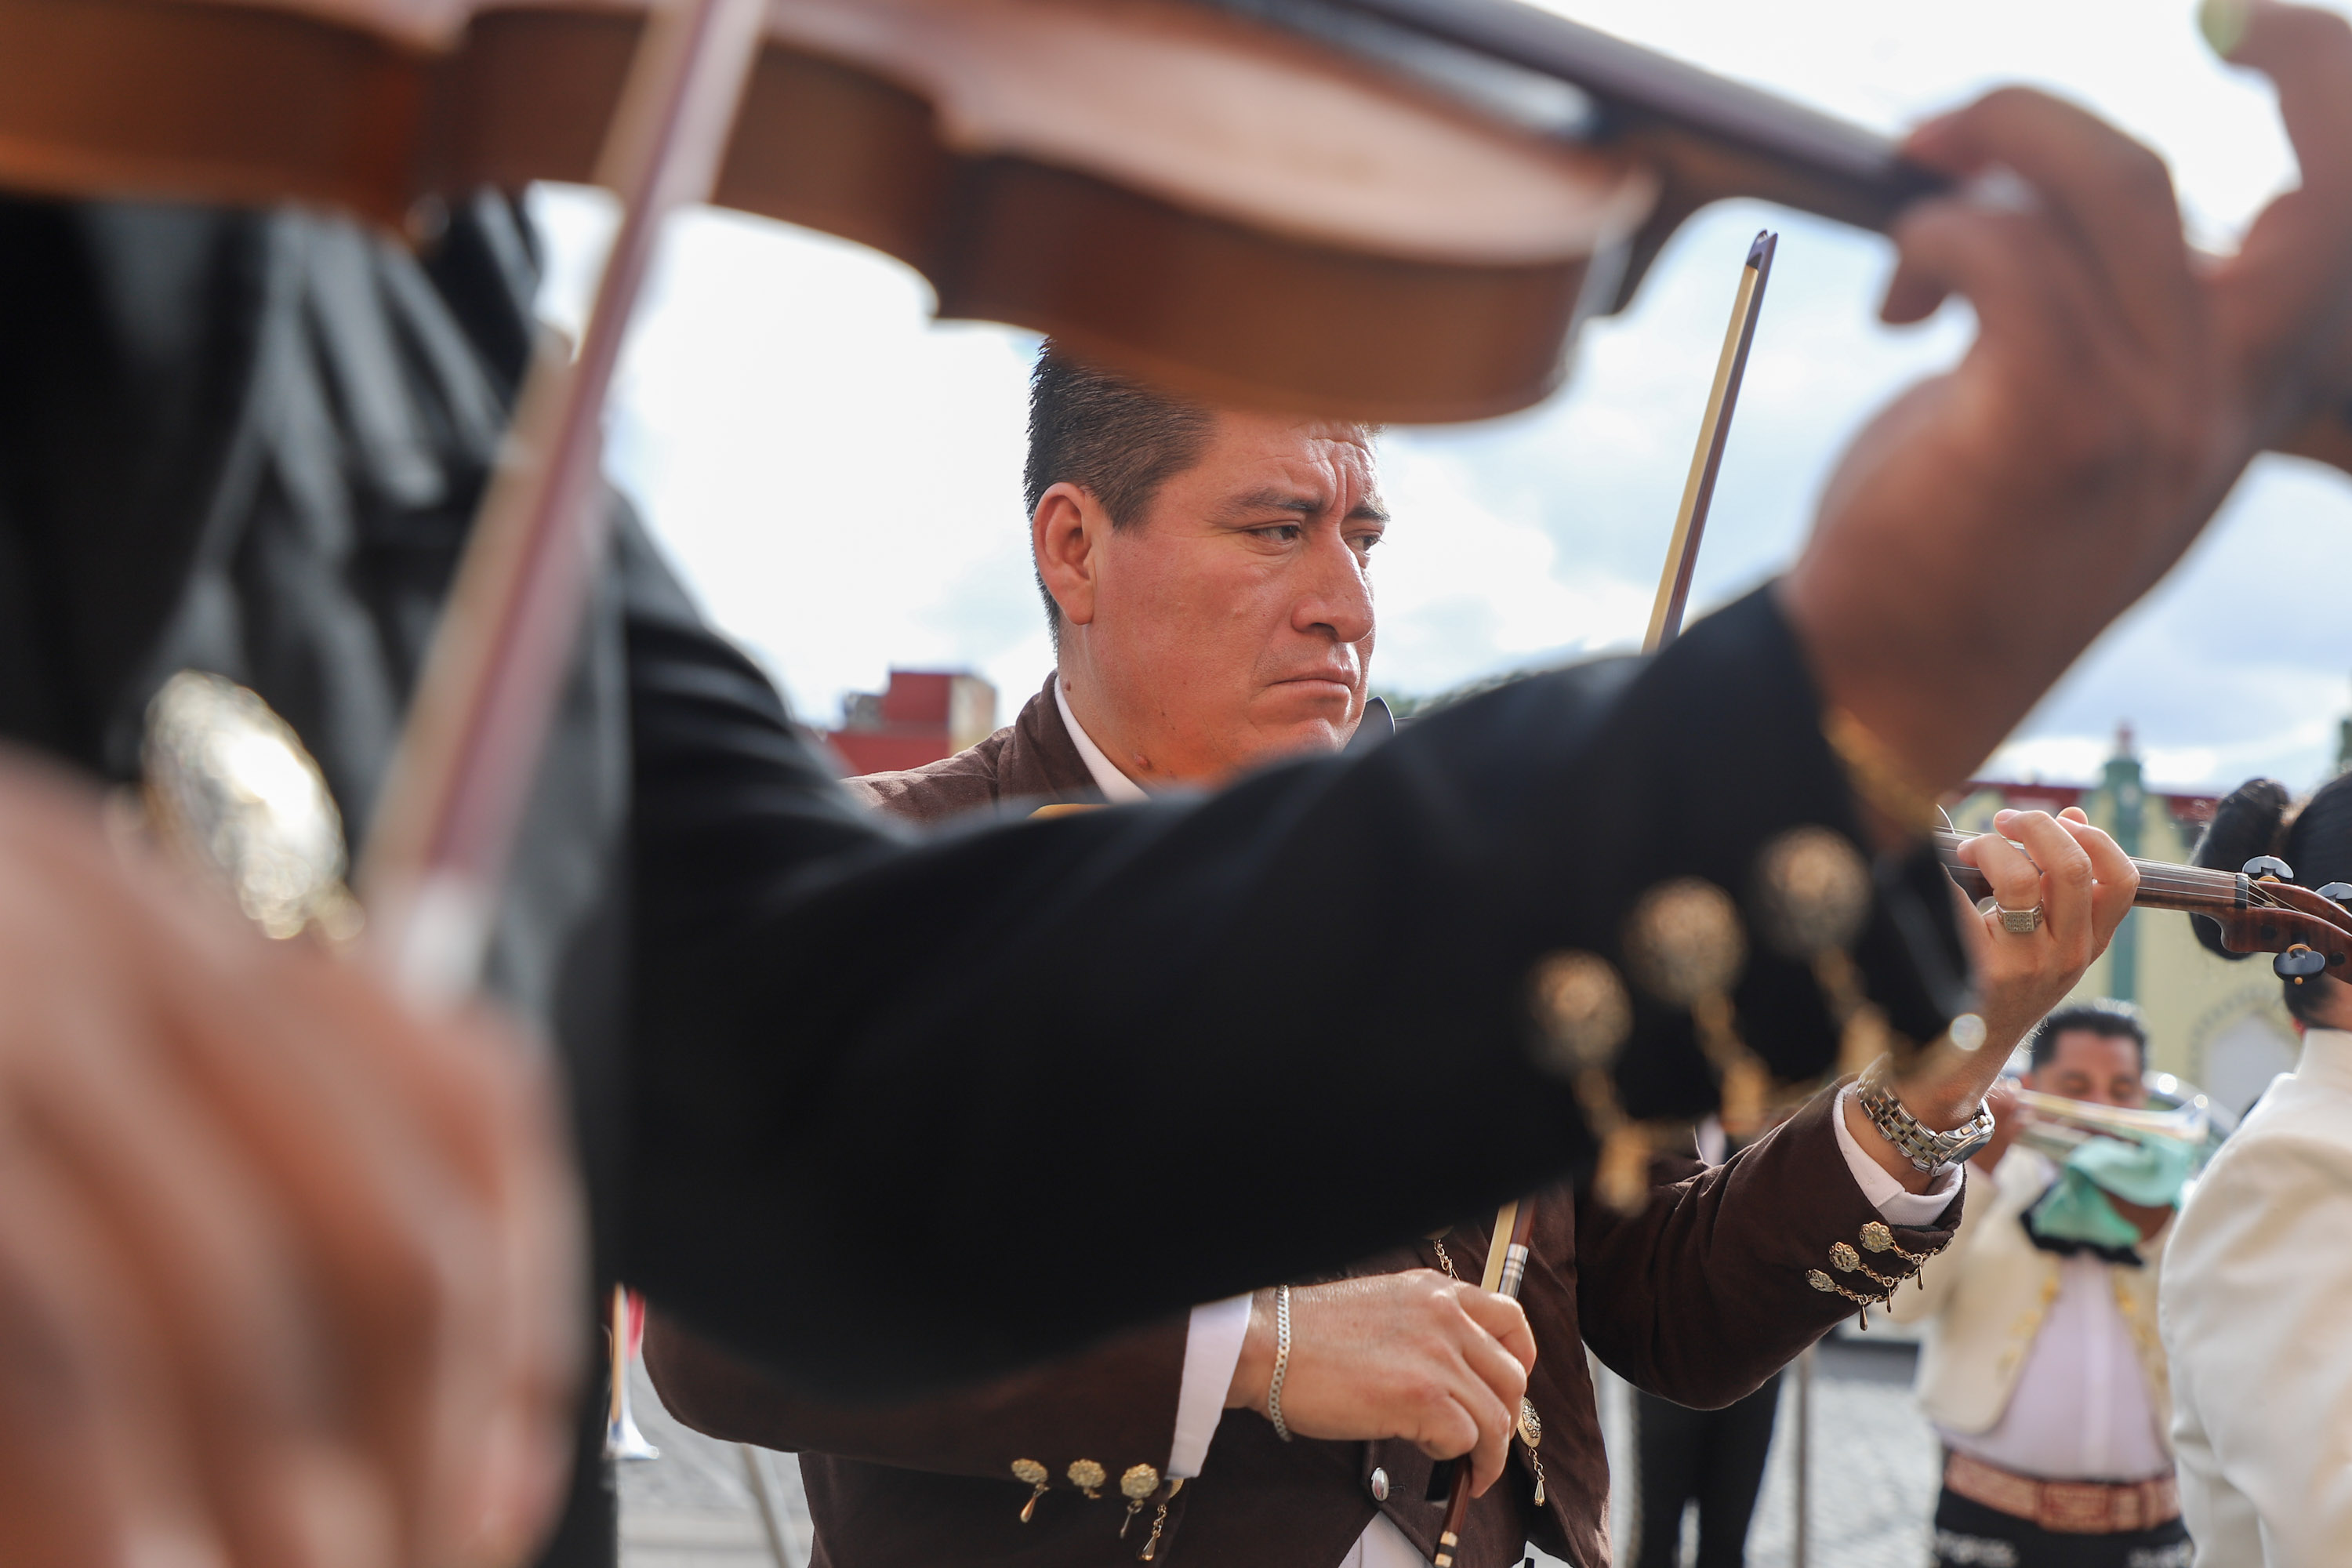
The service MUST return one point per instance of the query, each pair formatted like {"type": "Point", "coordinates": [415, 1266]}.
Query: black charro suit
{"type": "Point", "coordinates": [251, 444]}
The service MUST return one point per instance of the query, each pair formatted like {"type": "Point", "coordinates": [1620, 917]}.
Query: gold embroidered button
{"type": "Point", "coordinates": [1684, 941]}
{"type": "Point", "coordinates": [1844, 1257]}
{"type": "Point", "coordinates": [1877, 1237]}
{"type": "Point", "coordinates": [1139, 1483]}
{"type": "Point", "coordinates": [1819, 1280]}
{"type": "Point", "coordinates": [1585, 1013]}
{"type": "Point", "coordinates": [1088, 1477]}
{"type": "Point", "coordinates": [1812, 892]}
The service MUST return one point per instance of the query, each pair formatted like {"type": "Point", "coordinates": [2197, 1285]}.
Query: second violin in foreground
{"type": "Point", "coordinates": [2258, 909]}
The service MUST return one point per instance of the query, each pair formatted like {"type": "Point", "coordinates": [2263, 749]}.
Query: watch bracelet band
{"type": "Point", "coordinates": [1925, 1149]}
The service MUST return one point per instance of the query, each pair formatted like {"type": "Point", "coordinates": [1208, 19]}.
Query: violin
{"type": "Point", "coordinates": [1278, 203]}
{"type": "Point", "coordinates": [1222, 206]}
{"type": "Point", "coordinates": [2310, 928]}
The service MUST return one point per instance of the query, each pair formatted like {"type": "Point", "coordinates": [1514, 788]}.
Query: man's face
{"type": "Point", "coordinates": [1232, 624]}
{"type": "Point", "coordinates": [2087, 1066]}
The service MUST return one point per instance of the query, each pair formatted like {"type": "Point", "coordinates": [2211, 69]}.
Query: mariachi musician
{"type": "Point", "coordinates": [247, 441]}
{"type": "Point", "coordinates": [1210, 587]}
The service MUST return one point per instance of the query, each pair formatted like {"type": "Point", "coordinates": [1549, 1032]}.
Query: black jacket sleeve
{"type": "Point", "coordinates": [911, 1112]}
{"type": "Point", "coordinates": [877, 1113]}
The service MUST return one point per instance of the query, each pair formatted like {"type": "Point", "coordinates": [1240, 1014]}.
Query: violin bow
{"type": "Point", "coordinates": [1451, 1477]}
{"type": "Point", "coordinates": [1505, 1272]}
{"type": "Point", "coordinates": [469, 754]}
{"type": "Point", "coordinates": [1706, 461]}
{"type": "Point", "coordinates": [439, 844]}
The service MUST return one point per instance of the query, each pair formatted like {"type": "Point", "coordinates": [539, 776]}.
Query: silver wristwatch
{"type": "Point", "coordinates": [1927, 1149]}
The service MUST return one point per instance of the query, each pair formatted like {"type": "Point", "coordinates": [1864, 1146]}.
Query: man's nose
{"type": "Point", "coordinates": [1336, 596]}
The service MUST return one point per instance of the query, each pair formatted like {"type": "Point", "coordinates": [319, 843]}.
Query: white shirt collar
{"type": "Point", "coordinates": [1116, 786]}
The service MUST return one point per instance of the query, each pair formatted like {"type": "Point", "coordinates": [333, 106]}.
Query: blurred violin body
{"type": "Point", "coordinates": [1227, 208]}
{"type": "Point", "coordinates": [1282, 202]}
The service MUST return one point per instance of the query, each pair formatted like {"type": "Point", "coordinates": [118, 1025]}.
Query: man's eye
{"type": "Point", "coordinates": [1279, 532]}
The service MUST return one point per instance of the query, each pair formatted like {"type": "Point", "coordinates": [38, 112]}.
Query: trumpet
{"type": "Point", "coordinates": [2057, 1126]}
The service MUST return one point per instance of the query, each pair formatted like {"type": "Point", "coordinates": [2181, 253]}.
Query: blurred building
{"type": "Point", "coordinates": [923, 715]}
{"type": "Point", "coordinates": [2216, 1023]}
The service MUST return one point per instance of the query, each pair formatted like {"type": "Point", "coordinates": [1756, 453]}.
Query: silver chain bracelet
{"type": "Point", "coordinates": [1281, 1361]}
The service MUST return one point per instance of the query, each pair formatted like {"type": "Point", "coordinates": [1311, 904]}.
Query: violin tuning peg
{"type": "Point", "coordinates": [2268, 868]}
{"type": "Point", "coordinates": [2299, 964]}
{"type": "Point", "coordinates": [2336, 892]}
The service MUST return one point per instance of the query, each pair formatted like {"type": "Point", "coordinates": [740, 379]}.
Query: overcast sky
{"type": "Point", "coordinates": [838, 476]}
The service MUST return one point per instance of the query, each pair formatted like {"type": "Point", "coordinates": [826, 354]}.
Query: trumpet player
{"type": "Point", "coordinates": [2042, 1372]}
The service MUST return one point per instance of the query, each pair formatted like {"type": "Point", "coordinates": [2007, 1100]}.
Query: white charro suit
{"type": "Point", "coordinates": [1987, 1298]}
{"type": "Point", "coordinates": [2257, 1315]}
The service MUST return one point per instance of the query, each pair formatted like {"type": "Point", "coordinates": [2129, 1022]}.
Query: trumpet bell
{"type": "Point", "coordinates": [2177, 1112]}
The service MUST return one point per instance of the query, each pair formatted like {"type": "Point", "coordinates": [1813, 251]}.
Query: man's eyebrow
{"type": "Point", "coordinates": [1304, 505]}
{"type": "Point", "coordinates": [1275, 500]}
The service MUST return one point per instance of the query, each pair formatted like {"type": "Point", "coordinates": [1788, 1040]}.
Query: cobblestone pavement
{"type": "Point", "coordinates": [1872, 1480]}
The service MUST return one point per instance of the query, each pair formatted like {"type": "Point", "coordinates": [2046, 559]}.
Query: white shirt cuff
{"type": "Point", "coordinates": [1213, 1348]}
{"type": "Point", "coordinates": [1895, 1204]}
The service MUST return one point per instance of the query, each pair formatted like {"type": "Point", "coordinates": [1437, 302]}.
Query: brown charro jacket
{"type": "Point", "coordinates": [1697, 1296]}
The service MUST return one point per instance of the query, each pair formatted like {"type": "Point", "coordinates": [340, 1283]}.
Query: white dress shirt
{"type": "Point", "coordinates": [1212, 1346]}
{"type": "Point", "coordinates": [1116, 786]}
{"type": "Point", "coordinates": [2253, 1307]}
{"type": "Point", "coordinates": [2080, 1410]}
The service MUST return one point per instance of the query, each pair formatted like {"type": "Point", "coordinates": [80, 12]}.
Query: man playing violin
{"type": "Point", "coordinates": [277, 1304]}
{"type": "Point", "coordinates": [1208, 582]}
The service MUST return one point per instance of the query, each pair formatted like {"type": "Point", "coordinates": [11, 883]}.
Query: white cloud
{"type": "Point", "coordinates": [839, 478]}
{"type": "Point", "coordinates": [2050, 759]}
{"type": "Point", "coordinates": [1466, 590]}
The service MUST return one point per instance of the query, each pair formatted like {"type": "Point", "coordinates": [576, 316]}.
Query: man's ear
{"type": "Point", "coordinates": [1066, 533]}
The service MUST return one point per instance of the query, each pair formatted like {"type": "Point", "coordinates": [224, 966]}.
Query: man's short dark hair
{"type": "Point", "coordinates": [1114, 438]}
{"type": "Point", "coordinates": [2116, 1020]}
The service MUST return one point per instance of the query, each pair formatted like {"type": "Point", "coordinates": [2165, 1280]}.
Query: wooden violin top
{"type": "Point", "coordinates": [1229, 208]}
{"type": "Point", "coordinates": [1248, 213]}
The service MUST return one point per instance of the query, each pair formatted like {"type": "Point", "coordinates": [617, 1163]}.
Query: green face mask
{"type": "Point", "coordinates": [2076, 1208]}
